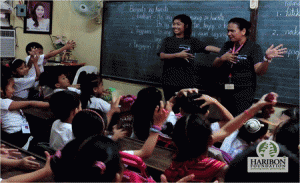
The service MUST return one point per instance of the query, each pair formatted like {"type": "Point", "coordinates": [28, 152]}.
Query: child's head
{"type": "Point", "coordinates": [123, 120]}
{"type": "Point", "coordinates": [187, 24]}
{"type": "Point", "coordinates": [192, 136]}
{"type": "Point", "coordinates": [92, 85]}
{"type": "Point", "coordinates": [253, 130]}
{"type": "Point", "coordinates": [7, 82]}
{"type": "Point", "coordinates": [189, 105]}
{"type": "Point", "coordinates": [65, 104]}
{"type": "Point", "coordinates": [34, 45]}
{"type": "Point", "coordinates": [88, 122]}
{"type": "Point", "coordinates": [59, 80]}
{"type": "Point", "coordinates": [143, 110]}
{"type": "Point", "coordinates": [95, 159]}
{"type": "Point", "coordinates": [18, 67]}
{"type": "Point", "coordinates": [288, 129]}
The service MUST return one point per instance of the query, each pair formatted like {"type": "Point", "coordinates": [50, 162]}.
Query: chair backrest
{"type": "Point", "coordinates": [88, 69]}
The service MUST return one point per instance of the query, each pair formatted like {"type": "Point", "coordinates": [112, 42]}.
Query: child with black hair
{"type": "Point", "coordinates": [142, 110]}
{"type": "Point", "coordinates": [58, 81]}
{"type": "Point", "coordinates": [43, 57]}
{"type": "Point", "coordinates": [64, 105]}
{"type": "Point", "coordinates": [14, 126]}
{"type": "Point", "coordinates": [290, 129]}
{"type": "Point", "coordinates": [92, 90]}
{"type": "Point", "coordinates": [191, 154]}
{"type": "Point", "coordinates": [20, 70]}
{"type": "Point", "coordinates": [89, 122]}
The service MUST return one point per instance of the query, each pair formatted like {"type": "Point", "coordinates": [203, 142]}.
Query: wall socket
{"type": "Point", "coordinates": [21, 10]}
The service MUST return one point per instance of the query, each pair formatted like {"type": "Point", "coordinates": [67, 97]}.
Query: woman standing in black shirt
{"type": "Point", "coordinates": [177, 54]}
{"type": "Point", "coordinates": [239, 62]}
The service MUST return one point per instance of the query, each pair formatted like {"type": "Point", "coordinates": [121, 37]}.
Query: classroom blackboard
{"type": "Point", "coordinates": [278, 22]}
{"type": "Point", "coordinates": [133, 33]}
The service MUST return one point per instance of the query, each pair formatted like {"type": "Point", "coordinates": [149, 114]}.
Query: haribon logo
{"type": "Point", "coordinates": [267, 150]}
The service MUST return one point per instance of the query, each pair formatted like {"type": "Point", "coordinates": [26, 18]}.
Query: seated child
{"type": "Point", "coordinates": [92, 90]}
{"type": "Point", "coordinates": [58, 82]}
{"type": "Point", "coordinates": [142, 110]}
{"type": "Point", "coordinates": [22, 83]}
{"type": "Point", "coordinates": [14, 126]}
{"type": "Point", "coordinates": [89, 122]}
{"type": "Point", "coordinates": [64, 105]}
{"type": "Point", "coordinates": [191, 154]}
{"type": "Point", "coordinates": [43, 57]}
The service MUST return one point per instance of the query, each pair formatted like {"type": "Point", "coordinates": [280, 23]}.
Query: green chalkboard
{"type": "Point", "coordinates": [133, 33]}
{"type": "Point", "coordinates": [278, 22]}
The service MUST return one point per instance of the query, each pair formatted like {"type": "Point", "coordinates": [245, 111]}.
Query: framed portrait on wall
{"type": "Point", "coordinates": [38, 18]}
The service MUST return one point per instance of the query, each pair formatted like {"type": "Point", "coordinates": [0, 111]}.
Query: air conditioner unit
{"type": "Point", "coordinates": [8, 43]}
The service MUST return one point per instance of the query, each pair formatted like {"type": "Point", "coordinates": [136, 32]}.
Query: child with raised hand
{"type": "Point", "coordinates": [20, 70]}
{"type": "Point", "coordinates": [43, 57]}
{"type": "Point", "coordinates": [191, 156]}
{"type": "Point", "coordinates": [15, 128]}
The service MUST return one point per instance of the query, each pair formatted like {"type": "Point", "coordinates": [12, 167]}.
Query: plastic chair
{"type": "Point", "coordinates": [88, 69]}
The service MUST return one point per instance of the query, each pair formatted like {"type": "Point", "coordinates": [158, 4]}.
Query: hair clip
{"type": "Point", "coordinates": [101, 165]}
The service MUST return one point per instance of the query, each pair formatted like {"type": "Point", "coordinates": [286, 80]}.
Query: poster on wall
{"type": "Point", "coordinates": [38, 18]}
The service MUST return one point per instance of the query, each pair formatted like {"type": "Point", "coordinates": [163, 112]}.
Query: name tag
{"type": "Point", "coordinates": [25, 128]}
{"type": "Point", "coordinates": [229, 86]}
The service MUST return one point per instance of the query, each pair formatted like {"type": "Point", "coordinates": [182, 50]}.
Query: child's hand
{"type": "Point", "coordinates": [28, 164]}
{"type": "Point", "coordinates": [10, 153]}
{"type": "Point", "coordinates": [77, 86]}
{"type": "Point", "coordinates": [47, 165]}
{"type": "Point", "coordinates": [70, 45]}
{"type": "Point", "coordinates": [118, 133]}
{"type": "Point", "coordinates": [263, 102]}
{"type": "Point", "coordinates": [161, 113]}
{"type": "Point", "coordinates": [208, 100]}
{"type": "Point", "coordinates": [114, 105]}
{"type": "Point", "coordinates": [34, 55]}
{"type": "Point", "coordinates": [186, 91]}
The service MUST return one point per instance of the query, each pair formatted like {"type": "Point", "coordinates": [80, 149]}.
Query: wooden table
{"type": "Point", "coordinates": [9, 172]}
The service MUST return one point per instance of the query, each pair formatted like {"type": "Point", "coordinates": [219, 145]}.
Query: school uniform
{"type": "Point", "coordinates": [61, 133]}
{"type": "Point", "coordinates": [11, 124]}
{"type": "Point", "coordinates": [99, 103]}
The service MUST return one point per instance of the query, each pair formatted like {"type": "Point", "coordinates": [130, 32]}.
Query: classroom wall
{"type": "Point", "coordinates": [87, 36]}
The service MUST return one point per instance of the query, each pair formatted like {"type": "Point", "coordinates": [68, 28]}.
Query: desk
{"type": "Point", "coordinates": [69, 69]}
{"type": "Point", "coordinates": [9, 172]}
{"type": "Point", "coordinates": [161, 157]}
{"type": "Point", "coordinates": [40, 121]}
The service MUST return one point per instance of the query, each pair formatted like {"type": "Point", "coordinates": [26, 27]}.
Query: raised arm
{"type": "Point", "coordinates": [69, 46]}
{"type": "Point", "coordinates": [225, 114]}
{"type": "Point", "coordinates": [262, 67]}
{"type": "Point", "coordinates": [16, 105]}
{"type": "Point", "coordinates": [212, 49]}
{"type": "Point", "coordinates": [160, 115]}
{"type": "Point", "coordinates": [238, 121]}
{"type": "Point", "coordinates": [113, 109]}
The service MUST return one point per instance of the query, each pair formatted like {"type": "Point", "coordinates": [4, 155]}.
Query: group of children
{"type": "Point", "coordinates": [83, 147]}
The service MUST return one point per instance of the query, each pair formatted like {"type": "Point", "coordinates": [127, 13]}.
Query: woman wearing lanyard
{"type": "Point", "coordinates": [239, 62]}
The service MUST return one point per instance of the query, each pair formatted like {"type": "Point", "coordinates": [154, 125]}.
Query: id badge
{"type": "Point", "coordinates": [229, 86]}
{"type": "Point", "coordinates": [25, 128]}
